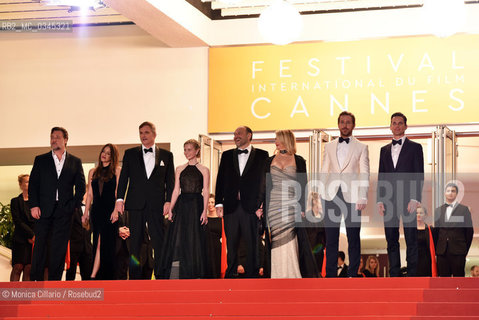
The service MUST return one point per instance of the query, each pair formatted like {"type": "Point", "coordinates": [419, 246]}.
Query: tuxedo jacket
{"type": "Point", "coordinates": [44, 183]}
{"type": "Point", "coordinates": [143, 191]}
{"type": "Point", "coordinates": [454, 235]}
{"type": "Point", "coordinates": [230, 184]}
{"type": "Point", "coordinates": [353, 177]}
{"type": "Point", "coordinates": [406, 179]}
{"type": "Point", "coordinates": [344, 272]}
{"type": "Point", "coordinates": [23, 220]}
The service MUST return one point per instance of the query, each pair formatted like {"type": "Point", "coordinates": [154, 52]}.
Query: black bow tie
{"type": "Point", "coordinates": [148, 150]}
{"type": "Point", "coordinates": [449, 205]}
{"type": "Point", "coordinates": [340, 267]}
{"type": "Point", "coordinates": [395, 142]}
{"type": "Point", "coordinates": [245, 151]}
{"type": "Point", "coordinates": [341, 140]}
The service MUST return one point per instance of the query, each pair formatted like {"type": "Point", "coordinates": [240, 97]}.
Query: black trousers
{"type": "Point", "coordinates": [451, 265]}
{"type": "Point", "coordinates": [56, 227]}
{"type": "Point", "coordinates": [147, 221]}
{"type": "Point", "coordinates": [240, 224]}
{"type": "Point", "coordinates": [391, 229]}
{"type": "Point", "coordinates": [85, 260]}
{"type": "Point", "coordinates": [333, 210]}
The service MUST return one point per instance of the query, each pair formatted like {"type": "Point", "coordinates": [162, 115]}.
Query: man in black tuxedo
{"type": "Point", "coordinates": [400, 182]}
{"type": "Point", "coordinates": [57, 186]}
{"type": "Point", "coordinates": [238, 197]}
{"type": "Point", "coordinates": [149, 174]}
{"type": "Point", "coordinates": [454, 232]}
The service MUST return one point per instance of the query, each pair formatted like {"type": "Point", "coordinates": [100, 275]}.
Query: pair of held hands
{"type": "Point", "coordinates": [167, 212]}
{"type": "Point", "coordinates": [411, 207]}
{"type": "Point", "coordinates": [219, 212]}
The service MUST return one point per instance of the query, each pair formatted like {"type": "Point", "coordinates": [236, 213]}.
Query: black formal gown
{"type": "Point", "coordinates": [186, 238]}
{"type": "Point", "coordinates": [214, 230]}
{"type": "Point", "coordinates": [24, 225]}
{"type": "Point", "coordinates": [101, 210]}
{"type": "Point", "coordinates": [423, 253]}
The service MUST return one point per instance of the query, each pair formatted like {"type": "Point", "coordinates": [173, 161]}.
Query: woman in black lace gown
{"type": "Point", "coordinates": [184, 252]}
{"type": "Point", "coordinates": [103, 181]}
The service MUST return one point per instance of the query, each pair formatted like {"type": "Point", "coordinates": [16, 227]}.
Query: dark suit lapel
{"type": "Point", "coordinates": [442, 218]}
{"type": "Point", "coordinates": [142, 162]}
{"type": "Point", "coordinates": [389, 158]}
{"type": "Point", "coordinates": [404, 150]}
{"type": "Point", "coordinates": [249, 163]}
{"type": "Point", "coordinates": [455, 212]}
{"type": "Point", "coordinates": [157, 161]}
{"type": "Point", "coordinates": [65, 164]}
{"type": "Point", "coordinates": [235, 162]}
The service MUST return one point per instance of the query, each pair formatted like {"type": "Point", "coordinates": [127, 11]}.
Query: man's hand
{"type": "Point", "coordinates": [32, 240]}
{"type": "Point", "coordinates": [361, 204]}
{"type": "Point", "coordinates": [36, 213]}
{"type": "Point", "coordinates": [120, 206]}
{"type": "Point", "coordinates": [166, 208]}
{"type": "Point", "coordinates": [412, 206]}
{"type": "Point", "coordinates": [219, 212]}
{"type": "Point", "coordinates": [124, 233]}
{"type": "Point", "coordinates": [84, 218]}
{"type": "Point", "coordinates": [381, 208]}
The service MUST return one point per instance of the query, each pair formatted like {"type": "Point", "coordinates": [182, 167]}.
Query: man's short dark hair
{"type": "Point", "coordinates": [347, 113]}
{"type": "Point", "coordinates": [149, 124]}
{"type": "Point", "coordinates": [341, 255]}
{"type": "Point", "coordinates": [452, 185]}
{"type": "Point", "coordinates": [63, 131]}
{"type": "Point", "coordinates": [248, 130]}
{"type": "Point", "coordinates": [399, 114]}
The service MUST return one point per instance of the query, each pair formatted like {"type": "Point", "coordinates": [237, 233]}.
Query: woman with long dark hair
{"type": "Point", "coordinates": [103, 181]}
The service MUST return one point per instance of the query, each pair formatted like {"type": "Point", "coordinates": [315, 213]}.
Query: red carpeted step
{"type": "Point", "coordinates": [206, 309]}
{"type": "Point", "coordinates": [265, 299]}
{"type": "Point", "coordinates": [448, 309]}
{"type": "Point", "coordinates": [251, 318]}
{"type": "Point", "coordinates": [343, 283]}
{"type": "Point", "coordinates": [451, 295]}
{"type": "Point", "coordinates": [257, 296]}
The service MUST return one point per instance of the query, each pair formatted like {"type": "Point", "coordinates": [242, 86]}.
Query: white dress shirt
{"type": "Point", "coordinates": [149, 159]}
{"type": "Point", "coordinates": [342, 152]}
{"type": "Point", "coordinates": [243, 159]}
{"type": "Point", "coordinates": [396, 150]}
{"type": "Point", "coordinates": [450, 209]}
{"type": "Point", "coordinates": [59, 165]}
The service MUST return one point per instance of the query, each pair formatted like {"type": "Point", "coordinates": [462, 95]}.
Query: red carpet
{"type": "Point", "coordinates": [265, 299]}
